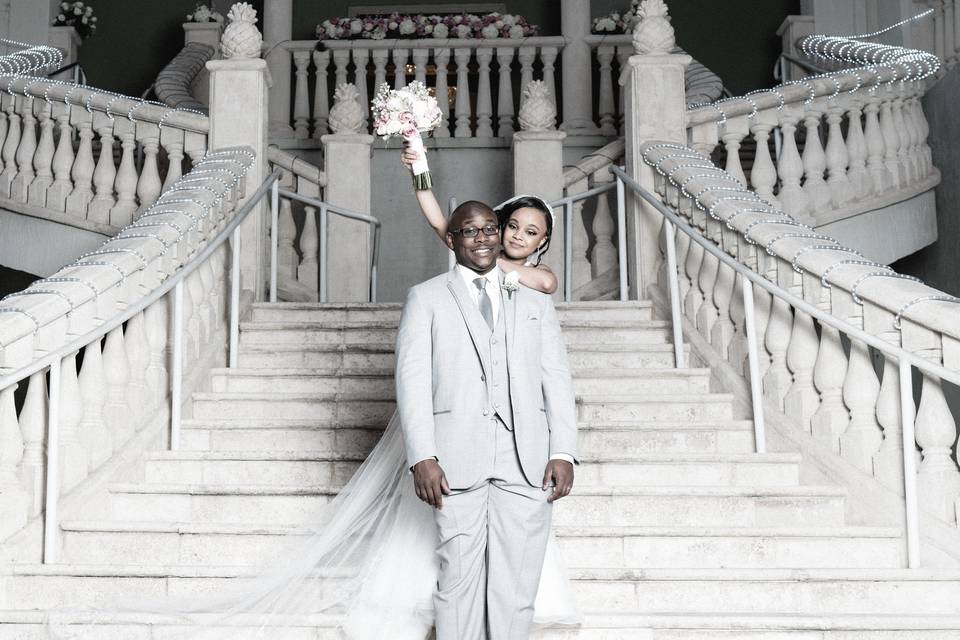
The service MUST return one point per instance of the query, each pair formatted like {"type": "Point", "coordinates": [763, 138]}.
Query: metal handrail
{"type": "Point", "coordinates": [326, 208]}
{"type": "Point", "coordinates": [905, 358]}
{"type": "Point", "coordinates": [54, 360]}
{"type": "Point", "coordinates": [567, 203]}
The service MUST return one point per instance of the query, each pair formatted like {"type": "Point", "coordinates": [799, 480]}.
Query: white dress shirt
{"type": "Point", "coordinates": [496, 301]}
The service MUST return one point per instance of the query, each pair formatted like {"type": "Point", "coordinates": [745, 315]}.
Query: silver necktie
{"type": "Point", "coordinates": [486, 307]}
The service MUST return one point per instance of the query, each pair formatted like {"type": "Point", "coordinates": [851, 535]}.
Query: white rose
{"type": "Point", "coordinates": [457, 19]}
{"type": "Point", "coordinates": [463, 31]}
{"type": "Point", "coordinates": [83, 19]}
{"type": "Point", "coordinates": [356, 26]}
{"type": "Point", "coordinates": [407, 26]}
{"type": "Point", "coordinates": [614, 16]}
{"type": "Point", "coordinates": [516, 31]}
{"type": "Point", "coordinates": [393, 127]}
{"type": "Point", "coordinates": [61, 17]}
{"type": "Point", "coordinates": [64, 6]}
{"type": "Point", "coordinates": [490, 31]}
{"type": "Point", "coordinates": [441, 31]}
{"type": "Point", "coordinates": [499, 24]}
{"type": "Point", "coordinates": [392, 26]}
{"type": "Point", "coordinates": [78, 11]}
{"type": "Point", "coordinates": [428, 29]}
{"type": "Point", "coordinates": [509, 20]}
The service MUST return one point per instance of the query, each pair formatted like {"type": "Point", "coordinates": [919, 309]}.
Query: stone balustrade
{"type": "Point", "coordinates": [862, 132]}
{"type": "Point", "coordinates": [50, 132]}
{"type": "Point", "coordinates": [339, 61]}
{"type": "Point", "coordinates": [826, 383]}
{"type": "Point", "coordinates": [122, 385]}
{"type": "Point", "coordinates": [174, 83]}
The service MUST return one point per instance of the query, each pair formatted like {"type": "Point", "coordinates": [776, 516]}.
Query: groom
{"type": "Point", "coordinates": [487, 409]}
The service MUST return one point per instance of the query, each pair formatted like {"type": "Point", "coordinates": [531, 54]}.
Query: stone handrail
{"type": "Point", "coordinates": [173, 83]}
{"type": "Point", "coordinates": [47, 176]}
{"type": "Point", "coordinates": [332, 66]}
{"type": "Point", "coordinates": [123, 387]}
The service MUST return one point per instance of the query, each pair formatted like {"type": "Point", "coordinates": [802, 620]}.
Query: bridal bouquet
{"type": "Point", "coordinates": [408, 112]}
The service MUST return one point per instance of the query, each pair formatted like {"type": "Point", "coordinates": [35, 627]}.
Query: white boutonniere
{"type": "Point", "coordinates": [511, 283]}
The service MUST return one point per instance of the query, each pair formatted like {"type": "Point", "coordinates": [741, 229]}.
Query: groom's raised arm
{"type": "Point", "coordinates": [414, 380]}
{"type": "Point", "coordinates": [557, 388]}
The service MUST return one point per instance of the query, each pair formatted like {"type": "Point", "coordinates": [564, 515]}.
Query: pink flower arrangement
{"type": "Point", "coordinates": [397, 25]}
{"type": "Point", "coordinates": [616, 22]}
{"type": "Point", "coordinates": [407, 112]}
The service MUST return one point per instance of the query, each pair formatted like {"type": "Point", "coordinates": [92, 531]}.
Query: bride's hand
{"type": "Point", "coordinates": [408, 157]}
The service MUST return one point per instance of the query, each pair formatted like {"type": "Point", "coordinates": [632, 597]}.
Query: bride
{"type": "Point", "coordinates": [370, 559]}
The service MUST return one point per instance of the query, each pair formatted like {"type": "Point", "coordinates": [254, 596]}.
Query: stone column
{"type": "Point", "coordinates": [203, 32]}
{"type": "Point", "coordinates": [655, 109]}
{"type": "Point", "coordinates": [538, 165]}
{"type": "Point", "coordinates": [576, 69]}
{"type": "Point", "coordinates": [67, 40]}
{"type": "Point", "coordinates": [277, 27]}
{"type": "Point", "coordinates": [238, 116]}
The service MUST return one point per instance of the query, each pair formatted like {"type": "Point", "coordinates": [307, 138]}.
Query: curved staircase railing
{"type": "Point", "coordinates": [174, 83]}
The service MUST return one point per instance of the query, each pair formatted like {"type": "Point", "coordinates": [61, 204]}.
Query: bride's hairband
{"type": "Point", "coordinates": [546, 206]}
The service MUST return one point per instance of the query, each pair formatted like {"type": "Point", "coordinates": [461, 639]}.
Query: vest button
{"type": "Point", "coordinates": [493, 340]}
{"type": "Point", "coordinates": [485, 412]}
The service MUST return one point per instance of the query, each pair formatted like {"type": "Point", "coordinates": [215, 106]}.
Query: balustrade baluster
{"type": "Point", "coordinates": [13, 496]}
{"type": "Point", "coordinates": [10, 144]}
{"type": "Point", "coordinates": [912, 134]}
{"type": "Point", "coordinates": [801, 400]}
{"type": "Point", "coordinates": [505, 92]}
{"type": "Point", "coordinates": [287, 258]}
{"type": "Point", "coordinates": [149, 184]}
{"type": "Point", "coordinates": [33, 428]}
{"type": "Point", "coordinates": [606, 106]}
{"type": "Point", "coordinates": [116, 367]}
{"type": "Point", "coordinates": [42, 160]}
{"type": "Point", "coordinates": [836, 155]}
{"type": "Point", "coordinates": [309, 270]}
{"type": "Point", "coordinates": [723, 330]}
{"type": "Point", "coordinates": [82, 172]}
{"type": "Point", "coordinates": [62, 163]}
{"type": "Point", "coordinates": [694, 297]}
{"type": "Point", "coordinates": [548, 57]}
{"type": "Point", "coordinates": [93, 432]}
{"type": "Point", "coordinates": [174, 149]}
{"type": "Point", "coordinates": [763, 175]}
{"type": "Point", "coordinates": [360, 58]}
{"type": "Point", "coordinates": [138, 355]}
{"type": "Point", "coordinates": [603, 258]}
{"type": "Point", "coordinates": [923, 128]}
{"type": "Point", "coordinates": [888, 460]}
{"type": "Point", "coordinates": [623, 54]}
{"type": "Point", "coordinates": [125, 183]}
{"type": "Point", "coordinates": [891, 141]}
{"type": "Point", "coordinates": [856, 151]}
{"type": "Point", "coordinates": [462, 129]}
{"type": "Point", "coordinates": [830, 420]}
{"type": "Point", "coordinates": [732, 133]}
{"type": "Point", "coordinates": [790, 167]}
{"type": "Point", "coordinates": [441, 58]}
{"type": "Point", "coordinates": [420, 57]}
{"type": "Point", "coordinates": [341, 60]}
{"type": "Point", "coordinates": [860, 390]}
{"type": "Point", "coordinates": [814, 160]}
{"type": "Point", "coordinates": [208, 304]}
{"type": "Point", "coordinates": [400, 57]}
{"type": "Point", "coordinates": [484, 99]}
{"type": "Point", "coordinates": [707, 280]}
{"type": "Point", "coordinates": [737, 345]}
{"type": "Point", "coordinates": [903, 149]}
{"type": "Point", "coordinates": [875, 145]}
{"type": "Point", "coordinates": [104, 174]}
{"type": "Point", "coordinates": [321, 96]}
{"type": "Point", "coordinates": [579, 264]}
{"type": "Point", "coordinates": [301, 97]}
{"type": "Point", "coordinates": [198, 324]}
{"type": "Point", "coordinates": [24, 156]}
{"type": "Point", "coordinates": [762, 303]}
{"type": "Point", "coordinates": [156, 316]}
{"type": "Point", "coordinates": [938, 480]}
{"type": "Point", "coordinates": [777, 378]}
{"type": "Point", "coordinates": [74, 459]}
{"type": "Point", "coordinates": [526, 56]}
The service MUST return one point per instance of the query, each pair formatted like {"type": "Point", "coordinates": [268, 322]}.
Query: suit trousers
{"type": "Point", "coordinates": [492, 539]}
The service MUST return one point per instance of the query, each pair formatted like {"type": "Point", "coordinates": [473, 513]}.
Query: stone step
{"type": "Point", "coordinates": [601, 506]}
{"type": "Point", "coordinates": [296, 468]}
{"type": "Point", "coordinates": [317, 333]}
{"type": "Point", "coordinates": [626, 356]}
{"type": "Point", "coordinates": [356, 409]}
{"type": "Point", "coordinates": [29, 625]}
{"type": "Point", "coordinates": [380, 383]}
{"type": "Point", "coordinates": [602, 547]}
{"type": "Point", "coordinates": [380, 312]}
{"type": "Point", "coordinates": [644, 591]}
{"type": "Point", "coordinates": [661, 407]}
{"type": "Point", "coordinates": [596, 439]}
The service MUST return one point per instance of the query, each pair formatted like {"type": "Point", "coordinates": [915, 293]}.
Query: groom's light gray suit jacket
{"type": "Point", "coordinates": [443, 373]}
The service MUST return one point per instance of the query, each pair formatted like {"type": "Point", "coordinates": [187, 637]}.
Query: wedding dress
{"type": "Point", "coordinates": [370, 561]}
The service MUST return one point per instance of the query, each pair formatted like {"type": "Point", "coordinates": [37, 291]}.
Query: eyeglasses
{"type": "Point", "coordinates": [471, 232]}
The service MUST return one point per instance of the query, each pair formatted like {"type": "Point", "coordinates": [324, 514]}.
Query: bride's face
{"type": "Point", "coordinates": [524, 233]}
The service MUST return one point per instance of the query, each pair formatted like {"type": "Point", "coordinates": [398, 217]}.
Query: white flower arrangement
{"type": "Point", "coordinates": [203, 13]}
{"type": "Point", "coordinates": [77, 15]}
{"type": "Point", "coordinates": [511, 282]}
{"type": "Point", "coordinates": [617, 22]}
{"type": "Point", "coordinates": [407, 112]}
{"type": "Point", "coordinates": [489, 26]}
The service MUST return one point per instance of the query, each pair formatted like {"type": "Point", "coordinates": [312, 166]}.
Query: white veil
{"type": "Point", "coordinates": [370, 567]}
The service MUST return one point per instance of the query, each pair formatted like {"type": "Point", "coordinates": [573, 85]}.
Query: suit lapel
{"type": "Point", "coordinates": [476, 325]}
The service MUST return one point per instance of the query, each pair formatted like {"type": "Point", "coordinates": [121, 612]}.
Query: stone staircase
{"type": "Point", "coordinates": [676, 529]}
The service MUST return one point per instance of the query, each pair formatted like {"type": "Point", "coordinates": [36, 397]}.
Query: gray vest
{"type": "Point", "coordinates": [498, 382]}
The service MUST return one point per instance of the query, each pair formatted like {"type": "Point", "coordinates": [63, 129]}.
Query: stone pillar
{"type": "Point", "coordinates": [238, 116]}
{"type": "Point", "coordinates": [655, 109]}
{"type": "Point", "coordinates": [347, 161]}
{"type": "Point", "coordinates": [576, 69]}
{"type": "Point", "coordinates": [203, 32]}
{"type": "Point", "coordinates": [67, 40]}
{"type": "Point", "coordinates": [792, 29]}
{"type": "Point", "coordinates": [538, 171]}
{"type": "Point", "coordinates": [277, 27]}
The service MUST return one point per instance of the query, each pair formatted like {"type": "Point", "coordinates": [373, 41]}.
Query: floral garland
{"type": "Point", "coordinates": [79, 16]}
{"type": "Point", "coordinates": [203, 13]}
{"type": "Point", "coordinates": [397, 25]}
{"type": "Point", "coordinates": [617, 22]}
